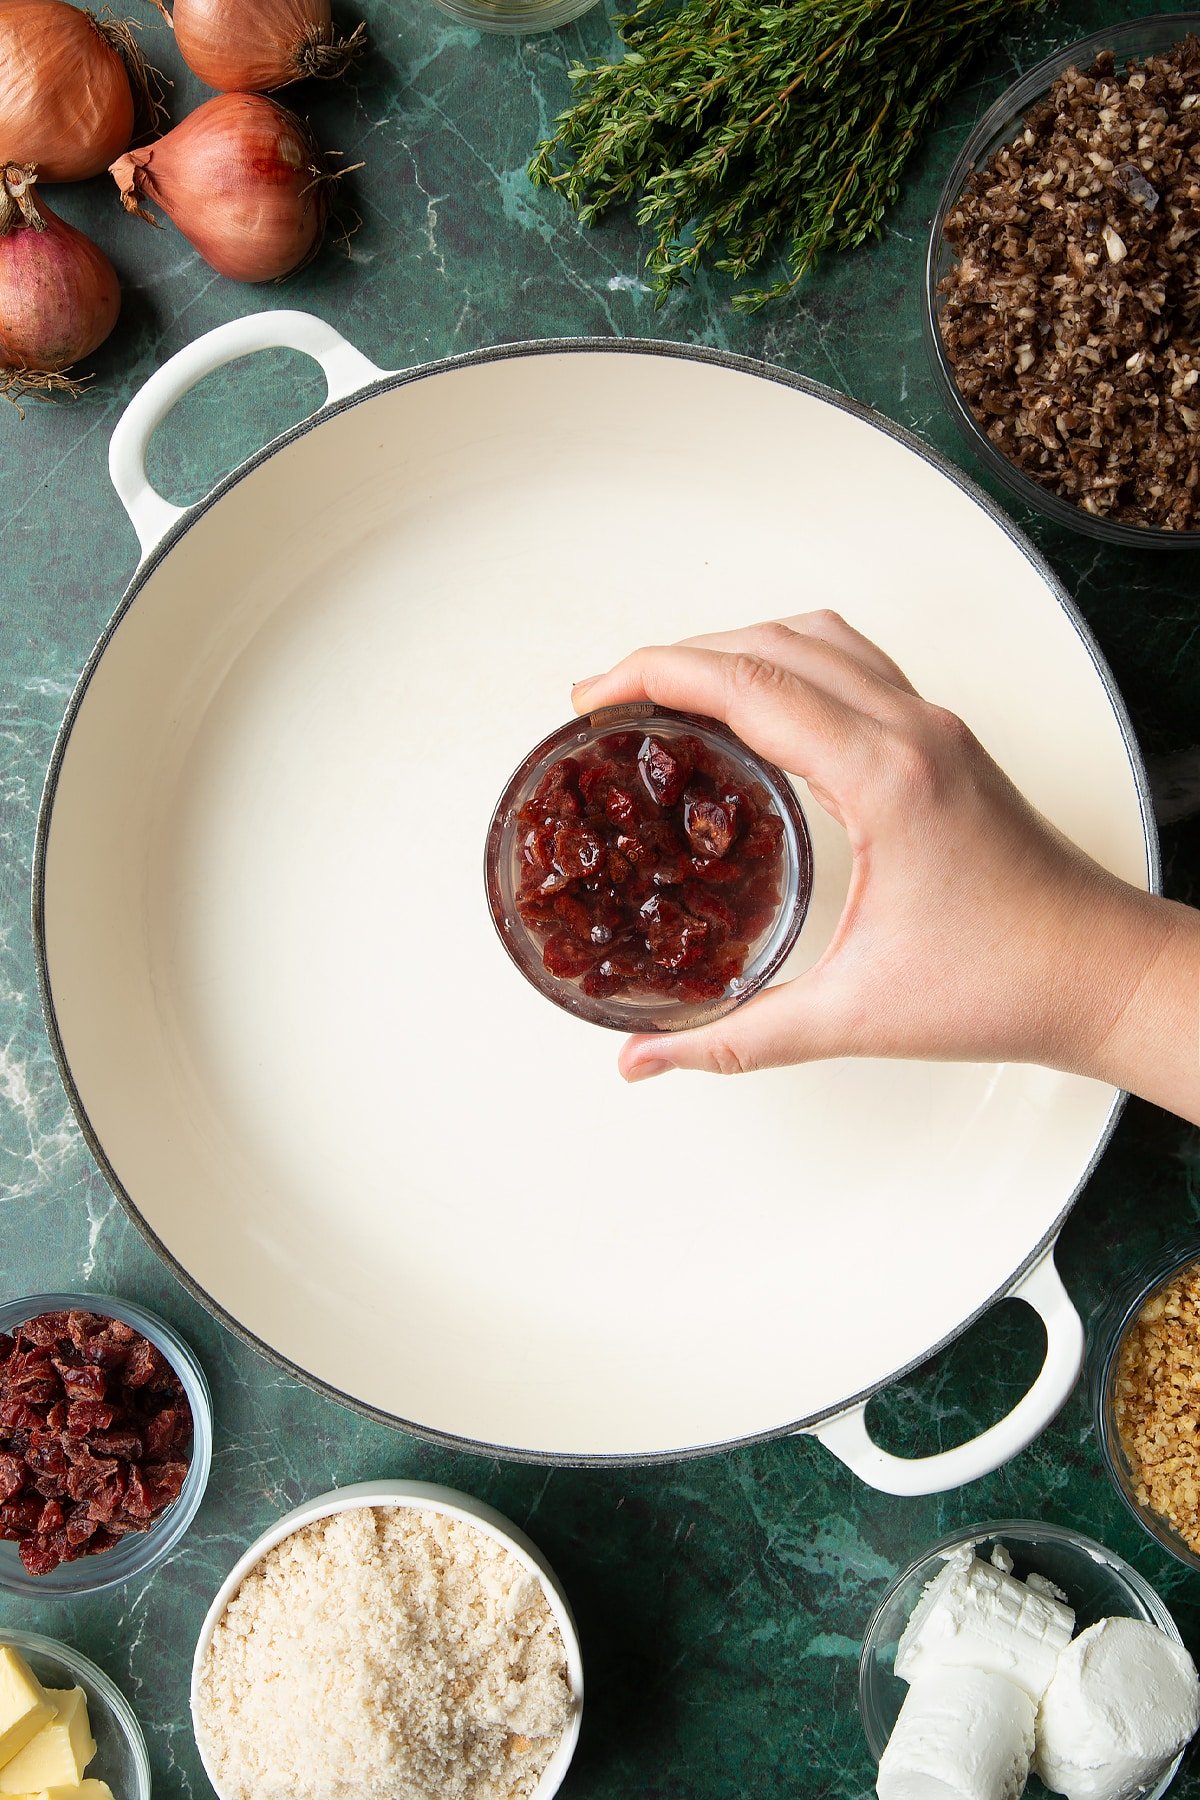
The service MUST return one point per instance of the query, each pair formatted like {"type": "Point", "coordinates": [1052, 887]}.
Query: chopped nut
{"type": "Point", "coordinates": [1070, 318]}
{"type": "Point", "coordinates": [1157, 1404]}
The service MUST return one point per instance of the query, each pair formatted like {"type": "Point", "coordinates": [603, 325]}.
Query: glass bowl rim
{"type": "Point", "coordinates": [37, 1644]}
{"type": "Point", "coordinates": [1000, 120]}
{"type": "Point", "coordinates": [777, 945]}
{"type": "Point", "coordinates": [88, 1574]}
{"type": "Point", "coordinates": [1115, 1319]}
{"type": "Point", "coordinates": [515, 18]}
{"type": "Point", "coordinates": [418, 1496]}
{"type": "Point", "coordinates": [1021, 1531]}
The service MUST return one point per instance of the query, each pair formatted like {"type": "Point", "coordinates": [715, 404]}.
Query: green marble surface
{"type": "Point", "coordinates": [721, 1602]}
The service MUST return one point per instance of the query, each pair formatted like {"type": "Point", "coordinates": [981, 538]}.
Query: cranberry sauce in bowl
{"type": "Point", "coordinates": [646, 870]}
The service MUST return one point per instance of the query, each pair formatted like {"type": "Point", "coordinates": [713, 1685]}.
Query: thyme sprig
{"type": "Point", "coordinates": [739, 129]}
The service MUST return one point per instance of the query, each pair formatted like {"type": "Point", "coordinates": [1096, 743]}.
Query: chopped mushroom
{"type": "Point", "coordinates": [1071, 317]}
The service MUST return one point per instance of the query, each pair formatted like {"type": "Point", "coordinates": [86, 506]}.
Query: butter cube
{"type": "Point", "coordinates": [24, 1707]}
{"type": "Point", "coordinates": [57, 1755]}
{"type": "Point", "coordinates": [87, 1790]}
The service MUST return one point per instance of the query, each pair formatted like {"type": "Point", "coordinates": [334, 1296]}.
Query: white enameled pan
{"type": "Point", "coordinates": [297, 1048]}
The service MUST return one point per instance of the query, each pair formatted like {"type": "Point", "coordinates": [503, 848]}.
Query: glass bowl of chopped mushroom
{"type": "Point", "coordinates": [1146, 1397]}
{"type": "Point", "coordinates": [105, 1442]}
{"type": "Point", "coordinates": [1060, 286]}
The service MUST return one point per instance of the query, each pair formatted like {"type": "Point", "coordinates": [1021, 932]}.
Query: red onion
{"type": "Point", "coordinates": [59, 296]}
{"type": "Point", "coordinates": [70, 88]}
{"type": "Point", "coordinates": [243, 180]}
{"type": "Point", "coordinates": [247, 46]}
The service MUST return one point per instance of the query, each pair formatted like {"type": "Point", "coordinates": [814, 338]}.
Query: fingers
{"type": "Point", "coordinates": [791, 721]}
{"type": "Point", "coordinates": [786, 1024]}
{"type": "Point", "coordinates": [808, 643]}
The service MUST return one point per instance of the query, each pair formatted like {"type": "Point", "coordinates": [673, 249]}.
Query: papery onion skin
{"type": "Point", "coordinates": [251, 46]}
{"type": "Point", "coordinates": [244, 181]}
{"type": "Point", "coordinates": [66, 104]}
{"type": "Point", "coordinates": [59, 294]}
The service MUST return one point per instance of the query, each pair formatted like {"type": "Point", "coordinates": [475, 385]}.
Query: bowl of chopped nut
{"type": "Point", "coordinates": [1060, 286]}
{"type": "Point", "coordinates": [1145, 1384]}
{"type": "Point", "coordinates": [105, 1442]}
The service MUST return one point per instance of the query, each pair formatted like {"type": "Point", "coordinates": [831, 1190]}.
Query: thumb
{"type": "Point", "coordinates": [786, 1024]}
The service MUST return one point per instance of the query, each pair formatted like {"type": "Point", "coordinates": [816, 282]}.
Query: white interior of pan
{"type": "Point", "coordinates": [297, 1039]}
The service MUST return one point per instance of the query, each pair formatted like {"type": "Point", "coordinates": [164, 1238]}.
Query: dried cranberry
{"type": "Point", "coordinates": [19, 1517]}
{"type": "Point", "coordinates": [82, 1381]}
{"type": "Point", "coordinates": [663, 770]}
{"type": "Point", "coordinates": [12, 1476]}
{"type": "Point", "coordinates": [710, 826]}
{"type": "Point", "coordinates": [39, 1555]}
{"type": "Point", "coordinates": [564, 955]}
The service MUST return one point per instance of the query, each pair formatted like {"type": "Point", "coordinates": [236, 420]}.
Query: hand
{"type": "Point", "coordinates": [972, 930]}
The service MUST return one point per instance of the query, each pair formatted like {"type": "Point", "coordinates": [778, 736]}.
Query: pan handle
{"type": "Point", "coordinates": [346, 370]}
{"type": "Point", "coordinates": [848, 1438]}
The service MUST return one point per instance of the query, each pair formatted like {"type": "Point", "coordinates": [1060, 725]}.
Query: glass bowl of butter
{"type": "Point", "coordinates": [64, 1725]}
{"type": "Point", "coordinates": [1056, 1581]}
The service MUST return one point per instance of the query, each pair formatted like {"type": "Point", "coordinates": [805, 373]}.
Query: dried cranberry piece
{"type": "Point", "coordinates": [45, 1330]}
{"type": "Point", "coordinates": [80, 1529]}
{"type": "Point", "coordinates": [165, 1481]}
{"type": "Point", "coordinates": [45, 1454]}
{"type": "Point", "coordinates": [167, 1430]}
{"type": "Point", "coordinates": [764, 837]}
{"type": "Point", "coordinates": [12, 1476]}
{"type": "Point", "coordinates": [29, 1368]}
{"type": "Point", "coordinates": [86, 1417]}
{"type": "Point", "coordinates": [621, 807]}
{"type": "Point", "coordinates": [51, 1517]}
{"type": "Point", "coordinates": [578, 852]}
{"type": "Point", "coordinates": [19, 1517]}
{"type": "Point", "coordinates": [145, 1365]}
{"type": "Point", "coordinates": [39, 1555]}
{"type": "Point", "coordinates": [139, 1502]}
{"type": "Point", "coordinates": [82, 1381]}
{"type": "Point", "coordinates": [17, 1415]}
{"type": "Point", "coordinates": [710, 826]}
{"type": "Point", "coordinates": [565, 957]}
{"type": "Point", "coordinates": [89, 1473]}
{"type": "Point", "coordinates": [119, 1443]}
{"type": "Point", "coordinates": [106, 1500]}
{"type": "Point", "coordinates": [7, 1346]}
{"type": "Point", "coordinates": [663, 770]}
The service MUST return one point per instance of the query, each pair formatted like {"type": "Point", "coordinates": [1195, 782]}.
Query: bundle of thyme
{"type": "Point", "coordinates": [755, 127]}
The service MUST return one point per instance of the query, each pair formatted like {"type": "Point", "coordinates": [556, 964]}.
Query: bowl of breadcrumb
{"type": "Point", "coordinates": [1146, 1397]}
{"type": "Point", "coordinates": [393, 1640]}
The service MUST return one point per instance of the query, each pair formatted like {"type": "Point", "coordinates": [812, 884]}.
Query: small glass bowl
{"type": "Point", "coordinates": [516, 17]}
{"type": "Point", "coordinates": [121, 1757]}
{"type": "Point", "coordinates": [139, 1551]}
{"type": "Point", "coordinates": [1114, 1322]}
{"type": "Point", "coordinates": [1097, 1582]}
{"type": "Point", "coordinates": [420, 1496]}
{"type": "Point", "coordinates": [631, 1012]}
{"type": "Point", "coordinates": [1001, 124]}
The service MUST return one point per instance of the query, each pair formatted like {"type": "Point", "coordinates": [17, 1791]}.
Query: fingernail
{"type": "Point", "coordinates": [642, 1071]}
{"type": "Point", "coordinates": [586, 682]}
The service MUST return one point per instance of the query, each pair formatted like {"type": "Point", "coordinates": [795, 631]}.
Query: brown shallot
{"type": "Point", "coordinates": [72, 87]}
{"type": "Point", "coordinates": [248, 46]}
{"type": "Point", "coordinates": [59, 296]}
{"type": "Point", "coordinates": [243, 179]}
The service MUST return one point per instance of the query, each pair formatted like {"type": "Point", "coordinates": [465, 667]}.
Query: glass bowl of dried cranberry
{"type": "Point", "coordinates": [105, 1442]}
{"type": "Point", "coordinates": [646, 871]}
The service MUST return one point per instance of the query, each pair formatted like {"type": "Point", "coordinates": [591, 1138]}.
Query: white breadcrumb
{"type": "Point", "coordinates": [384, 1654]}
